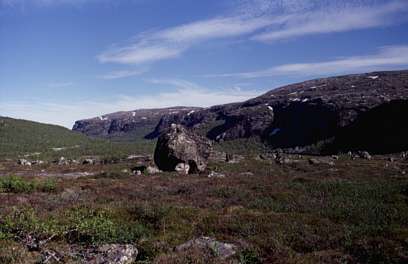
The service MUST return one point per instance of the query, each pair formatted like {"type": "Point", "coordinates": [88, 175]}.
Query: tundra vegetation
{"type": "Point", "coordinates": [352, 212]}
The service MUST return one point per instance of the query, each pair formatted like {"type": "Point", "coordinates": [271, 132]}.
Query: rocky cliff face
{"type": "Point", "coordinates": [302, 114]}
{"type": "Point", "coordinates": [137, 123]}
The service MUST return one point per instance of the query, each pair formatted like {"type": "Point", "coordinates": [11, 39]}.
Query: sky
{"type": "Point", "coordinates": [65, 60]}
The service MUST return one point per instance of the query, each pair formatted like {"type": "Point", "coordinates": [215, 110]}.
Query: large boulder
{"type": "Point", "coordinates": [178, 145]}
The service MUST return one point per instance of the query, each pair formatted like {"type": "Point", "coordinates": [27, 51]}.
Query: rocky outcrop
{"type": "Point", "coordinates": [131, 124]}
{"type": "Point", "coordinates": [219, 249]}
{"type": "Point", "coordinates": [306, 116]}
{"type": "Point", "coordinates": [179, 148]}
{"type": "Point", "coordinates": [313, 116]}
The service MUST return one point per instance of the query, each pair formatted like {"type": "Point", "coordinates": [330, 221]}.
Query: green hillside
{"type": "Point", "coordinates": [21, 137]}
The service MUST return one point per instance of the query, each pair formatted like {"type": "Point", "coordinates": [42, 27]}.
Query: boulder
{"type": "Point", "coordinates": [111, 254]}
{"type": "Point", "coordinates": [24, 162]}
{"type": "Point", "coordinates": [233, 158]}
{"type": "Point", "coordinates": [316, 161]}
{"type": "Point", "coordinates": [152, 170]}
{"type": "Point", "coordinates": [62, 161]}
{"type": "Point", "coordinates": [88, 161]}
{"type": "Point", "coordinates": [182, 168]}
{"type": "Point", "coordinates": [214, 174]}
{"type": "Point", "coordinates": [178, 145]}
{"type": "Point", "coordinates": [219, 249]}
{"type": "Point", "coordinates": [364, 155]}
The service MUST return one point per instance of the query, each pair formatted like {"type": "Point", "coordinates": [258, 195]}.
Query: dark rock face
{"type": "Point", "coordinates": [130, 124]}
{"type": "Point", "coordinates": [383, 129]}
{"type": "Point", "coordinates": [304, 116]}
{"type": "Point", "coordinates": [179, 146]}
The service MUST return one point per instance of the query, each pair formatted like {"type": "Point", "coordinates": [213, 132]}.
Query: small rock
{"type": "Point", "coordinates": [214, 174]}
{"type": "Point", "coordinates": [116, 254]}
{"type": "Point", "coordinates": [182, 168]}
{"type": "Point", "coordinates": [220, 249]}
{"type": "Point", "coordinates": [248, 173]}
{"type": "Point", "coordinates": [283, 160]}
{"type": "Point", "coordinates": [315, 161]}
{"type": "Point", "coordinates": [335, 157]}
{"type": "Point", "coordinates": [152, 170]}
{"type": "Point", "coordinates": [88, 161]}
{"type": "Point", "coordinates": [233, 158]}
{"type": "Point", "coordinates": [23, 162]}
{"type": "Point", "coordinates": [391, 159]}
{"type": "Point", "coordinates": [364, 155]}
{"type": "Point", "coordinates": [62, 161]}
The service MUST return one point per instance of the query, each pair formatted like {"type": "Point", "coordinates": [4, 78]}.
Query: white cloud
{"type": "Point", "coordinates": [260, 20]}
{"type": "Point", "coordinates": [334, 20]}
{"type": "Point", "coordinates": [170, 43]}
{"type": "Point", "coordinates": [386, 58]}
{"type": "Point", "coordinates": [66, 113]}
{"type": "Point", "coordinates": [123, 74]}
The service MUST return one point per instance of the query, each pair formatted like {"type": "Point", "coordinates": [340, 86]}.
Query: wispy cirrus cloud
{"type": "Point", "coordinates": [258, 20]}
{"type": "Point", "coordinates": [386, 58]}
{"type": "Point", "coordinates": [184, 93]}
{"type": "Point", "coordinates": [122, 74]}
{"type": "Point", "coordinates": [334, 20]}
{"type": "Point", "coordinates": [172, 42]}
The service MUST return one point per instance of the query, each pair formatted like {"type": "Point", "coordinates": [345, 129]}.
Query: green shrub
{"type": "Point", "coordinates": [14, 184]}
{"type": "Point", "coordinates": [249, 256]}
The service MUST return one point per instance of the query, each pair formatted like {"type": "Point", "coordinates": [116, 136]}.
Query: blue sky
{"type": "Point", "coordinates": [63, 60]}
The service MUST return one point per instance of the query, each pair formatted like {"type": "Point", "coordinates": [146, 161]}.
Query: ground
{"type": "Point", "coordinates": [353, 212]}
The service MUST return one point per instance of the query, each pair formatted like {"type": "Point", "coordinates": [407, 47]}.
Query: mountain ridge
{"type": "Point", "coordinates": [296, 115]}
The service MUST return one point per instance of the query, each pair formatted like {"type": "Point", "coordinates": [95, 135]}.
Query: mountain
{"type": "Point", "coordinates": [312, 116]}
{"type": "Point", "coordinates": [128, 125]}
{"type": "Point", "coordinates": [37, 140]}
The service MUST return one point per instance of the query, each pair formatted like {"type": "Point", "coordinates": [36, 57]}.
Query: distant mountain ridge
{"type": "Point", "coordinates": [295, 116]}
{"type": "Point", "coordinates": [128, 124]}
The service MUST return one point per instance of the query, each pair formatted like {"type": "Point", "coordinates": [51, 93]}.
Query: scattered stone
{"type": "Point", "coordinates": [152, 170]}
{"type": "Point", "coordinates": [214, 174]}
{"type": "Point", "coordinates": [218, 156]}
{"type": "Point", "coordinates": [113, 254]}
{"type": "Point", "coordinates": [283, 160]}
{"type": "Point", "coordinates": [138, 173]}
{"type": "Point", "coordinates": [182, 168]}
{"type": "Point", "coordinates": [233, 158]}
{"type": "Point", "coordinates": [51, 256]}
{"type": "Point", "coordinates": [62, 161]}
{"type": "Point", "coordinates": [70, 194]}
{"type": "Point", "coordinates": [391, 159]}
{"type": "Point", "coordinates": [220, 249]}
{"type": "Point", "coordinates": [248, 173]}
{"type": "Point", "coordinates": [89, 161]}
{"type": "Point", "coordinates": [178, 145]}
{"type": "Point", "coordinates": [23, 162]}
{"type": "Point", "coordinates": [335, 157]}
{"type": "Point", "coordinates": [141, 168]}
{"type": "Point", "coordinates": [364, 155]}
{"type": "Point", "coordinates": [315, 161]}
{"type": "Point", "coordinates": [76, 162]}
